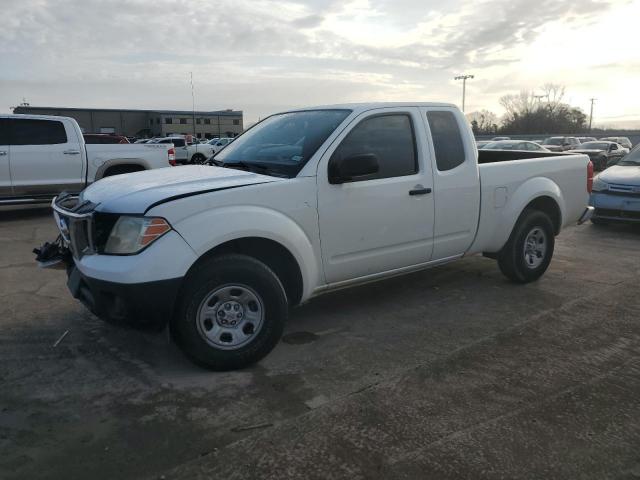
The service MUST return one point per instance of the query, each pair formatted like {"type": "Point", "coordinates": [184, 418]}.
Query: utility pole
{"type": "Point", "coordinates": [193, 105]}
{"type": "Point", "coordinates": [591, 113]}
{"type": "Point", "coordinates": [464, 86]}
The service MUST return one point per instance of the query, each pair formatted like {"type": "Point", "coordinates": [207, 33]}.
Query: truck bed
{"type": "Point", "coordinates": [495, 156]}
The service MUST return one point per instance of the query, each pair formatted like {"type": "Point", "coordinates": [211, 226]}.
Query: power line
{"type": "Point", "coordinates": [464, 86]}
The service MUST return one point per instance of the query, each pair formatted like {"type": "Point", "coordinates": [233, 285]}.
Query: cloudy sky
{"type": "Point", "coordinates": [263, 56]}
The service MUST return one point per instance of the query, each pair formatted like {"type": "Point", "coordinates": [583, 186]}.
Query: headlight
{"type": "Point", "coordinates": [132, 234]}
{"type": "Point", "coordinates": [599, 185]}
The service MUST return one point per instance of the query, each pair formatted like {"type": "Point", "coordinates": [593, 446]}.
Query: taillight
{"type": "Point", "coordinates": [589, 176]}
{"type": "Point", "coordinates": [172, 156]}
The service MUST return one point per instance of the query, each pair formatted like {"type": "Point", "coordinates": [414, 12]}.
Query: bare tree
{"type": "Point", "coordinates": [554, 94]}
{"type": "Point", "coordinates": [483, 121]}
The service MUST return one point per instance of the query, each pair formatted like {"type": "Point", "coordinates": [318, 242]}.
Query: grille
{"type": "Point", "coordinates": [627, 190]}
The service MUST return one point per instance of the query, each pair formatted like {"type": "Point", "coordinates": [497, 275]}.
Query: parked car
{"type": "Point", "coordinates": [602, 154]}
{"type": "Point", "coordinates": [586, 139]}
{"type": "Point", "coordinates": [188, 152]}
{"type": "Point", "coordinates": [219, 143]}
{"type": "Point", "coordinates": [497, 139]}
{"type": "Point", "coordinates": [41, 156]}
{"type": "Point", "coordinates": [482, 143]}
{"type": "Point", "coordinates": [103, 139]}
{"type": "Point", "coordinates": [304, 203]}
{"type": "Point", "coordinates": [515, 145]}
{"type": "Point", "coordinates": [624, 141]}
{"type": "Point", "coordinates": [560, 144]}
{"type": "Point", "coordinates": [616, 192]}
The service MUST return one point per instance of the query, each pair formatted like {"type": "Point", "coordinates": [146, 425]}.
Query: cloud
{"type": "Point", "coordinates": [269, 53]}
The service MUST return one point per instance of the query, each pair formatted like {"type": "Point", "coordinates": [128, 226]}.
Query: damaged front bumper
{"type": "Point", "coordinates": [96, 280]}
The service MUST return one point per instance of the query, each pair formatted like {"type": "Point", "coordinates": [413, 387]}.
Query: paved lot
{"type": "Point", "coordinates": [449, 373]}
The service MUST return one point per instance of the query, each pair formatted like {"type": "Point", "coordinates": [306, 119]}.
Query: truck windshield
{"type": "Point", "coordinates": [283, 143]}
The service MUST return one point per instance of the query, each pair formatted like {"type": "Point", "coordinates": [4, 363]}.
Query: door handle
{"type": "Point", "coordinates": [3, 153]}
{"type": "Point", "coordinates": [419, 190]}
{"type": "Point", "coordinates": [71, 152]}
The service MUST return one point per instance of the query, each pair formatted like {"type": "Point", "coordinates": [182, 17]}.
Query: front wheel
{"type": "Point", "coordinates": [232, 312]}
{"type": "Point", "coordinates": [529, 249]}
{"type": "Point", "coordinates": [198, 159]}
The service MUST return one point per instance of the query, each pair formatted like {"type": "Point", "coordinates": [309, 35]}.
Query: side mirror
{"type": "Point", "coordinates": [350, 168]}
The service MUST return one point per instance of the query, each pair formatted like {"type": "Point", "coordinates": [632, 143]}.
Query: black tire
{"type": "Point", "coordinates": [198, 159]}
{"type": "Point", "coordinates": [219, 272]}
{"type": "Point", "coordinates": [512, 259]}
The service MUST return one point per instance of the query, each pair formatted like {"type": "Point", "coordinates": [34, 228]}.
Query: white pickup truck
{"type": "Point", "coordinates": [185, 151]}
{"type": "Point", "coordinates": [41, 156]}
{"type": "Point", "coordinates": [303, 203]}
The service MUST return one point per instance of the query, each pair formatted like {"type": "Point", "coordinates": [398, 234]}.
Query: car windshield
{"type": "Point", "coordinates": [283, 143]}
{"type": "Point", "coordinates": [595, 146]}
{"type": "Point", "coordinates": [553, 141]}
{"type": "Point", "coordinates": [633, 159]}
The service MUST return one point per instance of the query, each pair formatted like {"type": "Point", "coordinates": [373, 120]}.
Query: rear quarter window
{"type": "Point", "coordinates": [447, 140]}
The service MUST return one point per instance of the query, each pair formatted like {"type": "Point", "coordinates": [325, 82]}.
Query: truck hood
{"type": "Point", "coordinates": [622, 175]}
{"type": "Point", "coordinates": [137, 192]}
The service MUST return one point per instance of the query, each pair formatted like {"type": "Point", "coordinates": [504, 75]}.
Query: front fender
{"type": "Point", "coordinates": [211, 228]}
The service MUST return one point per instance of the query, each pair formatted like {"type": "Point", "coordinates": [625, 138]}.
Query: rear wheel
{"type": "Point", "coordinates": [529, 250]}
{"type": "Point", "coordinates": [232, 312]}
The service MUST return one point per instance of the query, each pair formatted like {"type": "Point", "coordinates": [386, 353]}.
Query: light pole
{"type": "Point", "coordinates": [591, 113]}
{"type": "Point", "coordinates": [193, 108]}
{"type": "Point", "coordinates": [464, 86]}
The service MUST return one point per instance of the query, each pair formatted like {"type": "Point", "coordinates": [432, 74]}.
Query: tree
{"type": "Point", "coordinates": [526, 112]}
{"type": "Point", "coordinates": [483, 122]}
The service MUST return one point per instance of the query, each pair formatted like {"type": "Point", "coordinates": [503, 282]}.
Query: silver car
{"type": "Point", "coordinates": [616, 192]}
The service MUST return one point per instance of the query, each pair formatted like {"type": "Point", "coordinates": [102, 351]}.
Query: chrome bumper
{"type": "Point", "coordinates": [586, 216]}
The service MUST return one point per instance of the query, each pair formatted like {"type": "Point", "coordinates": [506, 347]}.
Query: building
{"type": "Point", "coordinates": [147, 123]}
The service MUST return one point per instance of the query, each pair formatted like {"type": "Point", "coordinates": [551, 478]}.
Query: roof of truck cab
{"type": "Point", "coordinates": [33, 116]}
{"type": "Point", "coordinates": [363, 107]}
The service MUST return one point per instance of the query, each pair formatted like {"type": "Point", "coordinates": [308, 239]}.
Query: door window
{"type": "Point", "coordinates": [390, 138]}
{"type": "Point", "coordinates": [447, 140]}
{"type": "Point", "coordinates": [36, 132]}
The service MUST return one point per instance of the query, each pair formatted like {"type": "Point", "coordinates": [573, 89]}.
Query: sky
{"type": "Point", "coordinates": [264, 56]}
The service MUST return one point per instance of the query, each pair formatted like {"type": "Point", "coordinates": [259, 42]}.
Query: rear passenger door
{"type": "Point", "coordinates": [456, 181]}
{"type": "Point", "coordinates": [5, 174]}
{"type": "Point", "coordinates": [45, 157]}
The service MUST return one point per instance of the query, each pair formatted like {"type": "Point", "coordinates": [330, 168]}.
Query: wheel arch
{"type": "Point", "coordinates": [273, 254]}
{"type": "Point", "coordinates": [258, 231]}
{"type": "Point", "coordinates": [119, 163]}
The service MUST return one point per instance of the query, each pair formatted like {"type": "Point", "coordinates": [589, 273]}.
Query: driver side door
{"type": "Point", "coordinates": [382, 221]}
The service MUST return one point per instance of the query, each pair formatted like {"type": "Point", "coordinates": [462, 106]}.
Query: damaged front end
{"type": "Point", "coordinates": [73, 219]}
